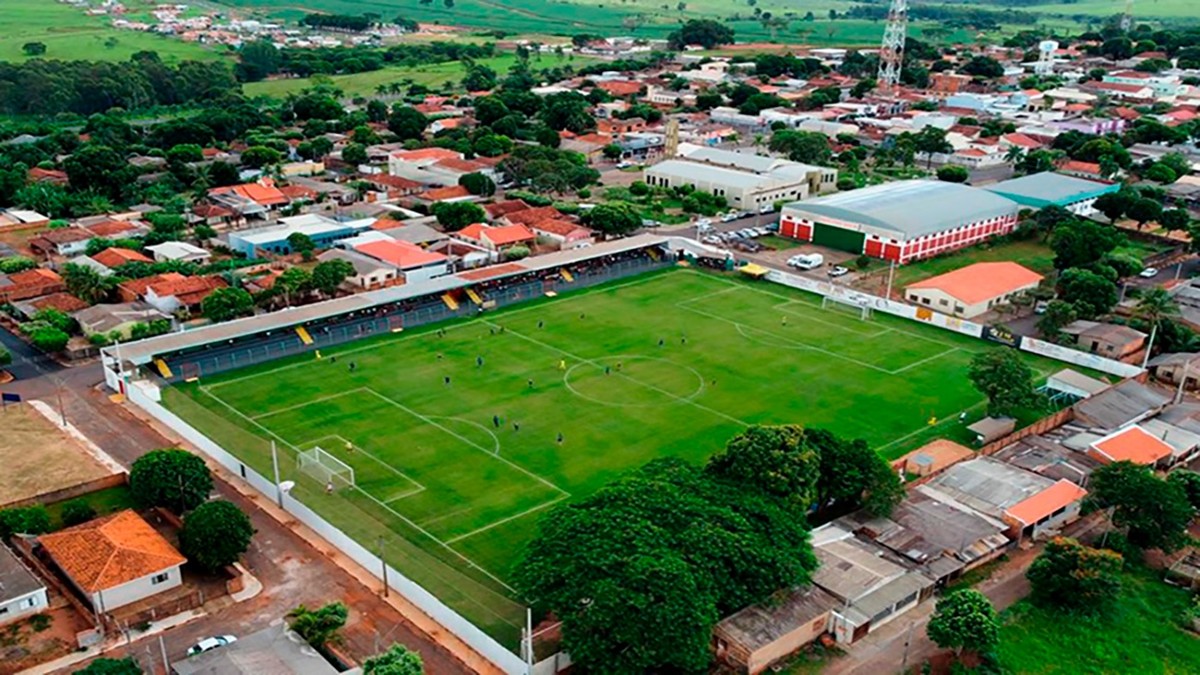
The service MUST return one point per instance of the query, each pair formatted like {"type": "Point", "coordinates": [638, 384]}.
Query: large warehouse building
{"type": "Point", "coordinates": [901, 221]}
{"type": "Point", "coordinates": [746, 181]}
{"type": "Point", "coordinates": [1040, 190]}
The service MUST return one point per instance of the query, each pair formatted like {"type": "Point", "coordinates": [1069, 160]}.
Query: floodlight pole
{"type": "Point", "coordinates": [1150, 345]}
{"type": "Point", "coordinates": [1182, 381]}
{"type": "Point", "coordinates": [275, 467]}
{"type": "Point", "coordinates": [383, 567]}
{"type": "Point", "coordinates": [162, 647]}
{"type": "Point", "coordinates": [891, 275]}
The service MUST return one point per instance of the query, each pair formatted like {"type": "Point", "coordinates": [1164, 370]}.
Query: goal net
{"type": "Point", "coordinates": [847, 304]}
{"type": "Point", "coordinates": [325, 467]}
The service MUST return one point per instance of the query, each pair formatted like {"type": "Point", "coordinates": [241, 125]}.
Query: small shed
{"type": "Point", "coordinates": [932, 457]}
{"type": "Point", "coordinates": [761, 635]}
{"type": "Point", "coordinates": [989, 429]}
{"type": "Point", "coordinates": [1068, 383]}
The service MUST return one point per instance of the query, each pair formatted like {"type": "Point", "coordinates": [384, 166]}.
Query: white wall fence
{"type": "Point", "coordinates": [146, 396]}
{"type": "Point", "coordinates": [950, 323]}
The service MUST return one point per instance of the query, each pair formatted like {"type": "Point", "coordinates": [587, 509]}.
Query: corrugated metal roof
{"type": "Point", "coordinates": [1052, 188]}
{"type": "Point", "coordinates": [909, 208]}
{"type": "Point", "coordinates": [686, 170]}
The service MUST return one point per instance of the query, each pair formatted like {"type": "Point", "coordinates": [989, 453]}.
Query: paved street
{"type": "Point", "coordinates": [290, 568]}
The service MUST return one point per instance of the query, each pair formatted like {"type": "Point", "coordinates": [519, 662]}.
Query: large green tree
{"type": "Point", "coordinates": [407, 122]}
{"type": "Point", "coordinates": [1090, 293]}
{"type": "Point", "coordinates": [1189, 482]}
{"type": "Point", "coordinates": [224, 304]}
{"type": "Point", "coordinates": [454, 216]}
{"type": "Point", "coordinates": [397, 660]}
{"type": "Point", "coordinates": [215, 534]}
{"type": "Point", "coordinates": [801, 146]}
{"type": "Point", "coordinates": [614, 218]}
{"type": "Point", "coordinates": [107, 666]}
{"type": "Point", "coordinates": [668, 553]}
{"type": "Point", "coordinates": [964, 619]}
{"type": "Point", "coordinates": [707, 33]}
{"type": "Point", "coordinates": [1078, 243]}
{"type": "Point", "coordinates": [1154, 512]}
{"type": "Point", "coordinates": [328, 276]}
{"type": "Point", "coordinates": [777, 460]}
{"type": "Point", "coordinates": [1005, 379]}
{"type": "Point", "coordinates": [1068, 575]}
{"type": "Point", "coordinates": [172, 478]}
{"type": "Point", "coordinates": [853, 475]}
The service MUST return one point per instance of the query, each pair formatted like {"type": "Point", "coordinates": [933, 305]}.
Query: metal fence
{"type": "Point", "coordinates": [146, 396]}
{"type": "Point", "coordinates": [283, 343]}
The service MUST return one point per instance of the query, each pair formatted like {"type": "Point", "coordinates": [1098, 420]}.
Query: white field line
{"type": "Point", "coordinates": [926, 360]}
{"type": "Point", "coordinates": [485, 528]}
{"type": "Point", "coordinates": [409, 336]}
{"type": "Point", "coordinates": [343, 440]}
{"type": "Point", "coordinates": [307, 403]}
{"type": "Point", "coordinates": [576, 357]}
{"type": "Point", "coordinates": [468, 441]}
{"type": "Point", "coordinates": [381, 504]}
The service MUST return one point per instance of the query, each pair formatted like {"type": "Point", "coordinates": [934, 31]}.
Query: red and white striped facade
{"type": "Point", "coordinates": [894, 245]}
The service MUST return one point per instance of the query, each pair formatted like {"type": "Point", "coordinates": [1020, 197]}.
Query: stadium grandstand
{"type": "Point", "coordinates": [901, 221]}
{"type": "Point", "coordinates": [219, 347]}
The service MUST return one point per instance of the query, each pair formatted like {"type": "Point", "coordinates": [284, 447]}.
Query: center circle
{"type": "Point", "coordinates": [633, 381]}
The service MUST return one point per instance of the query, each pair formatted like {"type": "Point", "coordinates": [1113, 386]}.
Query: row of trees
{"type": "Point", "coordinates": [672, 547]}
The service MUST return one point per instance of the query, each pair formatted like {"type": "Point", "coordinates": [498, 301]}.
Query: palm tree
{"type": "Point", "coordinates": [758, 141]}
{"type": "Point", "coordinates": [1154, 306]}
{"type": "Point", "coordinates": [1014, 155]}
{"type": "Point", "coordinates": [381, 89]}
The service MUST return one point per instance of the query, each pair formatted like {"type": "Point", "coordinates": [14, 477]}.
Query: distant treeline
{"type": "Point", "coordinates": [48, 87]}
{"type": "Point", "coordinates": [961, 15]}
{"type": "Point", "coordinates": [346, 22]}
{"type": "Point", "coordinates": [344, 60]}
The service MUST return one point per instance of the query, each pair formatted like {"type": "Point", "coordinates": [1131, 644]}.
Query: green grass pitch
{"type": "Point", "coordinates": [456, 496]}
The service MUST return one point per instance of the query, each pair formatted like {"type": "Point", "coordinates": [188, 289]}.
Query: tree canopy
{"type": "Point", "coordinates": [964, 619]}
{"type": "Point", "coordinates": [1070, 576]}
{"type": "Point", "coordinates": [215, 534]}
{"type": "Point", "coordinates": [1005, 379]}
{"type": "Point", "coordinates": [172, 478]}
{"type": "Point", "coordinates": [704, 32]}
{"type": "Point", "coordinates": [669, 553]}
{"type": "Point", "coordinates": [397, 660]}
{"type": "Point", "coordinates": [1154, 512]}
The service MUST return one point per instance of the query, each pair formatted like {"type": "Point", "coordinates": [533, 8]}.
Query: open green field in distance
{"type": "Point", "coordinates": [69, 34]}
{"type": "Point", "coordinates": [1142, 9]}
{"type": "Point", "coordinates": [666, 364]}
{"type": "Point", "coordinates": [432, 75]}
{"type": "Point", "coordinates": [1141, 634]}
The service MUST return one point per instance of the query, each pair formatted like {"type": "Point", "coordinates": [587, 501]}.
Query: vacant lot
{"type": "Point", "coordinates": [1142, 634]}
{"type": "Point", "coordinates": [38, 458]}
{"type": "Point", "coordinates": [459, 442]}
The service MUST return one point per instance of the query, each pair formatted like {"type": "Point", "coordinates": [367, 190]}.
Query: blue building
{"type": "Point", "coordinates": [324, 232]}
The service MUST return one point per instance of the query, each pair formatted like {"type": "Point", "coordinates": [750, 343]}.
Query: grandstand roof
{"type": "Point", "coordinates": [143, 351]}
{"type": "Point", "coordinates": [911, 208]}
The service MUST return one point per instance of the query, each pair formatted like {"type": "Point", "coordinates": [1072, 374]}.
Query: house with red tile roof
{"type": "Point", "coordinates": [62, 302]}
{"type": "Point", "coordinates": [500, 209]}
{"type": "Point", "coordinates": [1018, 140]}
{"type": "Point", "coordinates": [64, 241]}
{"type": "Point", "coordinates": [117, 229]}
{"type": "Point", "coordinates": [1131, 444]}
{"type": "Point", "coordinates": [30, 284]}
{"type": "Point", "coordinates": [451, 193]}
{"type": "Point", "coordinates": [564, 234]}
{"type": "Point", "coordinates": [497, 238]}
{"type": "Point", "coordinates": [1079, 169]}
{"type": "Point", "coordinates": [533, 215]}
{"type": "Point", "coordinates": [248, 199]}
{"type": "Point", "coordinates": [52, 176]}
{"type": "Point", "coordinates": [115, 560]}
{"type": "Point", "coordinates": [973, 290]}
{"type": "Point", "coordinates": [414, 262]}
{"type": "Point", "coordinates": [115, 257]}
{"type": "Point", "coordinates": [621, 88]}
{"type": "Point", "coordinates": [171, 295]}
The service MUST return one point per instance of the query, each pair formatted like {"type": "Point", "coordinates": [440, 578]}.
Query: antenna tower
{"type": "Point", "coordinates": [672, 138]}
{"type": "Point", "coordinates": [891, 55]}
{"type": "Point", "coordinates": [1127, 17]}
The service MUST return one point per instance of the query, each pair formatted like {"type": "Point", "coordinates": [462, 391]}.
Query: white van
{"type": "Point", "coordinates": [810, 261]}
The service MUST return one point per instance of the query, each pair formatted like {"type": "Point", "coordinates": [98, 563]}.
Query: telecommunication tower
{"type": "Point", "coordinates": [671, 148]}
{"type": "Point", "coordinates": [891, 55]}
{"type": "Point", "coordinates": [1127, 17]}
{"type": "Point", "coordinates": [1045, 63]}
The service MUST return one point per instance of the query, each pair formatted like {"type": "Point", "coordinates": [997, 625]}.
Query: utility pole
{"type": "Point", "coordinates": [383, 566]}
{"type": "Point", "coordinates": [162, 647]}
{"type": "Point", "coordinates": [891, 275]}
{"type": "Point", "coordinates": [275, 467]}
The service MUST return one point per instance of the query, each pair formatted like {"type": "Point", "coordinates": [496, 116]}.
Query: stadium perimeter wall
{"type": "Point", "coordinates": [147, 396]}
{"type": "Point", "coordinates": [950, 323]}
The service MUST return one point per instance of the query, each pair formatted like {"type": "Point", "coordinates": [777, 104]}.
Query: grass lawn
{"type": "Point", "coordinates": [103, 502]}
{"type": "Point", "coordinates": [1142, 634]}
{"type": "Point", "coordinates": [1167, 9]}
{"type": "Point", "coordinates": [457, 495]}
{"type": "Point", "coordinates": [70, 34]}
{"type": "Point", "coordinates": [432, 75]}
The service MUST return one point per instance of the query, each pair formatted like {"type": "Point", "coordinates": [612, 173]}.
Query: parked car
{"type": "Point", "coordinates": [761, 231]}
{"type": "Point", "coordinates": [745, 214]}
{"type": "Point", "coordinates": [729, 217]}
{"type": "Point", "coordinates": [712, 240]}
{"type": "Point", "coordinates": [1148, 273]}
{"type": "Point", "coordinates": [838, 271]}
{"type": "Point", "coordinates": [646, 222]}
{"type": "Point", "coordinates": [624, 165]}
{"type": "Point", "coordinates": [704, 222]}
{"type": "Point", "coordinates": [772, 227]}
{"type": "Point", "coordinates": [766, 208]}
{"type": "Point", "coordinates": [210, 643]}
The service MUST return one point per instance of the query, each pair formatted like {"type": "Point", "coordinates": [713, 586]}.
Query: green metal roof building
{"type": "Point", "coordinates": [1040, 190]}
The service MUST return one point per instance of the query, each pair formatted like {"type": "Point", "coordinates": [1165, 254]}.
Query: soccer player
{"type": "Point", "coordinates": [329, 488]}
{"type": "Point", "coordinates": [531, 384]}
{"type": "Point", "coordinates": [496, 421]}
{"type": "Point", "coordinates": [349, 446]}
{"type": "Point", "coordinates": [562, 364]}
{"type": "Point", "coordinates": [541, 323]}
{"type": "Point", "coordinates": [560, 438]}
{"type": "Point", "coordinates": [478, 361]}
{"type": "Point", "coordinates": [446, 379]}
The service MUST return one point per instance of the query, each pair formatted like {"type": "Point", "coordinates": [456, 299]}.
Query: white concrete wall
{"type": "Point", "coordinates": [22, 606]}
{"type": "Point", "coordinates": [138, 589]}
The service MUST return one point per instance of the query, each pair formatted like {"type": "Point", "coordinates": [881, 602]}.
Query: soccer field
{"type": "Point", "coordinates": [454, 474]}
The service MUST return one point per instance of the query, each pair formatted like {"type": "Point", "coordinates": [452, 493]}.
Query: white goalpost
{"type": "Point", "coordinates": [326, 468]}
{"type": "Point", "coordinates": [834, 302]}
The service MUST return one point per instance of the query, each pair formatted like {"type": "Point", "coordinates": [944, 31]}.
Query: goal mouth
{"type": "Point", "coordinates": [833, 302]}
{"type": "Point", "coordinates": [320, 464]}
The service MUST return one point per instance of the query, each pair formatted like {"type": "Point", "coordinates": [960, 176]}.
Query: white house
{"type": "Point", "coordinates": [178, 250]}
{"type": "Point", "coordinates": [116, 560]}
{"type": "Point", "coordinates": [369, 272]}
{"type": "Point", "coordinates": [21, 593]}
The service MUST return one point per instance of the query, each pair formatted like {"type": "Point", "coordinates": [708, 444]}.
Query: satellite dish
{"type": "Point", "coordinates": [287, 485]}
